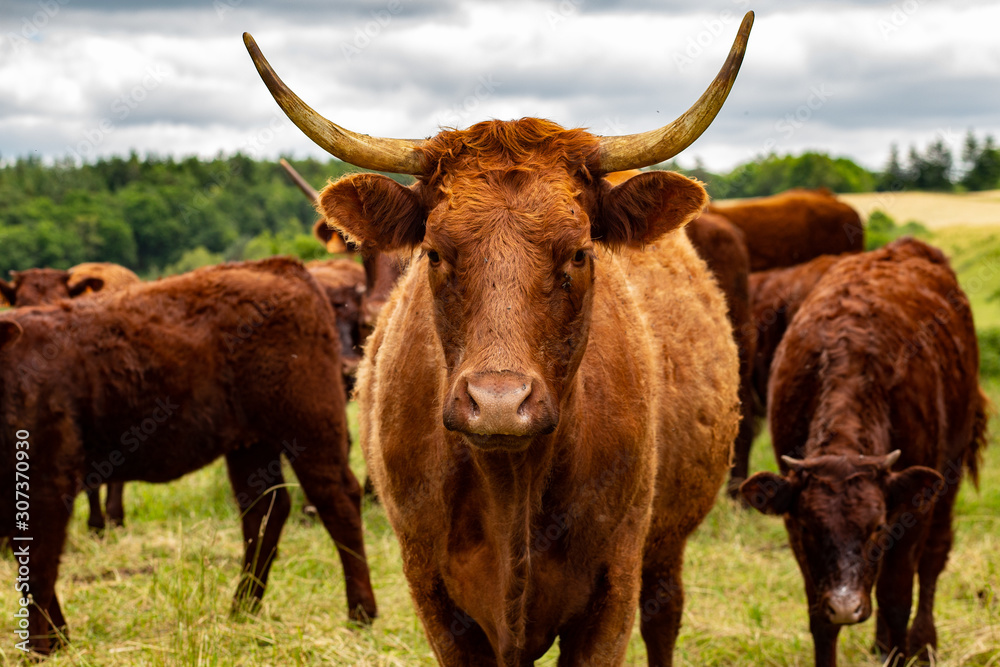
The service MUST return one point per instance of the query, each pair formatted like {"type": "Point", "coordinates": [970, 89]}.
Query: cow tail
{"type": "Point", "coordinates": [974, 453]}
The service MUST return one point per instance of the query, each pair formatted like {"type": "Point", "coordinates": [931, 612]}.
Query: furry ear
{"type": "Point", "coordinates": [10, 331]}
{"type": "Point", "coordinates": [374, 211]}
{"type": "Point", "coordinates": [645, 207]}
{"type": "Point", "coordinates": [329, 237]}
{"type": "Point", "coordinates": [8, 291]}
{"type": "Point", "coordinates": [769, 493]}
{"type": "Point", "coordinates": [80, 287]}
{"type": "Point", "coordinates": [913, 487]}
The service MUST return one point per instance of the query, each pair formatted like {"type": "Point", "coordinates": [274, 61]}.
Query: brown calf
{"type": "Point", "coordinates": [549, 399]}
{"type": "Point", "coordinates": [875, 412]}
{"type": "Point", "coordinates": [123, 401]}
{"type": "Point", "coordinates": [794, 226]}
{"type": "Point", "coordinates": [41, 286]}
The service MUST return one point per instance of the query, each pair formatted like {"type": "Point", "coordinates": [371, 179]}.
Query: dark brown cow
{"type": "Point", "coordinates": [794, 226]}
{"type": "Point", "coordinates": [343, 280]}
{"type": "Point", "coordinates": [34, 287]}
{"type": "Point", "coordinates": [124, 401]}
{"type": "Point", "coordinates": [549, 399]}
{"type": "Point", "coordinates": [42, 286]}
{"type": "Point", "coordinates": [723, 247]}
{"type": "Point", "coordinates": [775, 297]}
{"type": "Point", "coordinates": [875, 412]}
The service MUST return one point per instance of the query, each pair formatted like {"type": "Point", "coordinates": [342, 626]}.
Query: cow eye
{"type": "Point", "coordinates": [579, 258]}
{"type": "Point", "coordinates": [434, 257]}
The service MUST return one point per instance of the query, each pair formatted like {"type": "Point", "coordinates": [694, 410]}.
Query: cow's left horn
{"type": "Point", "coordinates": [395, 155]}
{"type": "Point", "coordinates": [634, 151]}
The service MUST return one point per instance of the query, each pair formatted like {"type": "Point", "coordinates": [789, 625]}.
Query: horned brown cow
{"type": "Point", "coordinates": [875, 412]}
{"type": "Point", "coordinates": [107, 389]}
{"type": "Point", "coordinates": [549, 399]}
{"type": "Point", "coordinates": [775, 297]}
{"type": "Point", "coordinates": [794, 226]}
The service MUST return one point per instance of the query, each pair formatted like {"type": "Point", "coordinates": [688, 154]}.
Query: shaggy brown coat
{"type": "Point", "coordinates": [775, 297]}
{"type": "Point", "coordinates": [343, 280]}
{"type": "Point", "coordinates": [795, 226]}
{"type": "Point", "coordinates": [876, 410]}
{"type": "Point", "coordinates": [558, 519]}
{"type": "Point", "coordinates": [36, 287]}
{"type": "Point", "coordinates": [160, 379]}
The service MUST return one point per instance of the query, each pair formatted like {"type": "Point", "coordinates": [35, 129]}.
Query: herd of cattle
{"type": "Point", "coordinates": [555, 381]}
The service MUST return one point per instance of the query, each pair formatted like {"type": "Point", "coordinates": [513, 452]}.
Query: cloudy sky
{"type": "Point", "coordinates": [98, 77]}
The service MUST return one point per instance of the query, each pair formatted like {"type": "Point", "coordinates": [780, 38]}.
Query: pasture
{"type": "Point", "coordinates": [158, 591]}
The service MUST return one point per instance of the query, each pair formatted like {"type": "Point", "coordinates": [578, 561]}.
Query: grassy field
{"type": "Point", "coordinates": [157, 592]}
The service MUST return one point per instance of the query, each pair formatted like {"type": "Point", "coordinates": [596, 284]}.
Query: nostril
{"type": "Point", "coordinates": [859, 611]}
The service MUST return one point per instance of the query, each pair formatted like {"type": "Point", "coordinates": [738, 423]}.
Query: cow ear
{"type": "Point", "coordinates": [8, 291]}
{"type": "Point", "coordinates": [10, 331]}
{"type": "Point", "coordinates": [80, 287]}
{"type": "Point", "coordinates": [769, 493]}
{"type": "Point", "coordinates": [374, 211]}
{"type": "Point", "coordinates": [647, 206]}
{"type": "Point", "coordinates": [915, 486]}
{"type": "Point", "coordinates": [329, 237]}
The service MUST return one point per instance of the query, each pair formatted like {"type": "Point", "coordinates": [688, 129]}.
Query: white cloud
{"type": "Point", "coordinates": [410, 66]}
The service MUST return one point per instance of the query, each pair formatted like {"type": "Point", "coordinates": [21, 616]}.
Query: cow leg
{"type": "Point", "coordinates": [263, 517]}
{"type": "Point", "coordinates": [113, 503]}
{"type": "Point", "coordinates": [46, 623]}
{"type": "Point", "coordinates": [894, 593]}
{"type": "Point", "coordinates": [456, 638]}
{"type": "Point", "coordinates": [661, 602]}
{"type": "Point", "coordinates": [96, 520]}
{"type": "Point", "coordinates": [824, 635]}
{"type": "Point", "coordinates": [336, 494]}
{"type": "Point", "coordinates": [933, 558]}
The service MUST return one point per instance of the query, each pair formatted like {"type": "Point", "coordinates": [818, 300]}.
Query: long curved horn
{"type": "Point", "coordinates": [633, 151]}
{"type": "Point", "coordinates": [393, 155]}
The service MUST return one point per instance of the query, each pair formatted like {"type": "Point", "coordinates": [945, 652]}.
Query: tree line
{"type": "Point", "coordinates": [161, 215]}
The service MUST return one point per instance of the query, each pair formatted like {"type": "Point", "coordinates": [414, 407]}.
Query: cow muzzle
{"type": "Point", "coordinates": [500, 410]}
{"type": "Point", "coordinates": [845, 606]}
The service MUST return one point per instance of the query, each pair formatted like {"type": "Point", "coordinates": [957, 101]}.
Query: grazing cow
{"type": "Point", "coordinates": [794, 226]}
{"type": "Point", "coordinates": [160, 379]}
{"type": "Point", "coordinates": [41, 286]}
{"type": "Point", "coordinates": [775, 297]}
{"type": "Point", "coordinates": [723, 247]}
{"type": "Point", "coordinates": [875, 411]}
{"type": "Point", "coordinates": [549, 399]}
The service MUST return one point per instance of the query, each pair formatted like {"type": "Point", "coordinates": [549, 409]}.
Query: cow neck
{"type": "Point", "coordinates": [852, 411]}
{"type": "Point", "coordinates": [513, 486]}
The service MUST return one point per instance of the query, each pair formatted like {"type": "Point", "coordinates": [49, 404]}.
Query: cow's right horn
{"type": "Point", "coordinates": [634, 151]}
{"type": "Point", "coordinates": [394, 155]}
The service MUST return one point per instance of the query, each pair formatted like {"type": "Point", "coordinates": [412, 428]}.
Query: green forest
{"type": "Point", "coordinates": [161, 215]}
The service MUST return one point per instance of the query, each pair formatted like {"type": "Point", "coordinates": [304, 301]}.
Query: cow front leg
{"type": "Point", "coordinates": [113, 503]}
{"type": "Point", "coordinates": [263, 516]}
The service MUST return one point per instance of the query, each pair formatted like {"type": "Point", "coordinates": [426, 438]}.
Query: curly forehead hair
{"type": "Point", "coordinates": [528, 143]}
